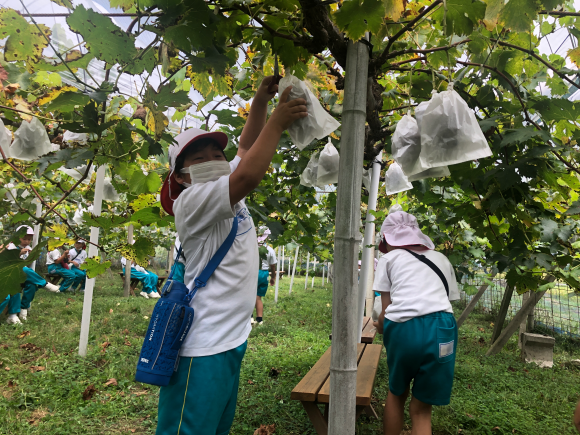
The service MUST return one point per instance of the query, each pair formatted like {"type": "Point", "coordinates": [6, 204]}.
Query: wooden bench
{"type": "Point", "coordinates": [53, 278]}
{"type": "Point", "coordinates": [135, 282]}
{"type": "Point", "coordinates": [368, 331]}
{"type": "Point", "coordinates": [314, 388]}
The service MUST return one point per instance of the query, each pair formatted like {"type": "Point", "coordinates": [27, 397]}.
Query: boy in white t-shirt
{"type": "Point", "coordinates": [76, 257]}
{"type": "Point", "coordinates": [18, 304]}
{"type": "Point", "coordinates": [419, 331]}
{"type": "Point", "coordinates": [205, 193]}
{"type": "Point", "coordinates": [268, 270]}
{"type": "Point", "coordinates": [56, 265]}
{"type": "Point", "coordinates": [148, 279]}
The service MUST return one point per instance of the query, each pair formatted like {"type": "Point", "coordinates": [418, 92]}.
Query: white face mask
{"type": "Point", "coordinates": [207, 171]}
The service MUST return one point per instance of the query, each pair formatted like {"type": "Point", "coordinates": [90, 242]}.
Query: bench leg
{"type": "Point", "coordinates": [318, 421]}
{"type": "Point", "coordinates": [370, 411]}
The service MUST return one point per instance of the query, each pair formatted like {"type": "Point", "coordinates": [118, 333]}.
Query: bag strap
{"type": "Point", "coordinates": [433, 267]}
{"type": "Point", "coordinates": [175, 263]}
{"type": "Point", "coordinates": [201, 280]}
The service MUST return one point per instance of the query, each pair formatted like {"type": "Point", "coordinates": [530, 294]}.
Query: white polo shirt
{"type": "Point", "coordinates": [270, 258]}
{"type": "Point", "coordinates": [11, 246]}
{"type": "Point", "coordinates": [203, 219]}
{"type": "Point", "coordinates": [79, 257]}
{"type": "Point", "coordinates": [416, 290]}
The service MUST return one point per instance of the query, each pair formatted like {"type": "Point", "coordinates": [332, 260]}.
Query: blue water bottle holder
{"type": "Point", "coordinates": [171, 321]}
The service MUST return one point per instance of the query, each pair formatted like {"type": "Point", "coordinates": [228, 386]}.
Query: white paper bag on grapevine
{"type": "Point", "coordinates": [396, 207]}
{"type": "Point", "coordinates": [328, 165]}
{"type": "Point", "coordinates": [5, 139]}
{"type": "Point", "coordinates": [78, 172]}
{"type": "Point", "coordinates": [396, 180]}
{"type": "Point", "coordinates": [450, 133]}
{"type": "Point", "coordinates": [441, 171]}
{"type": "Point", "coordinates": [310, 174]}
{"type": "Point", "coordinates": [72, 137]}
{"type": "Point", "coordinates": [78, 216]}
{"type": "Point", "coordinates": [406, 143]}
{"type": "Point", "coordinates": [30, 141]}
{"type": "Point", "coordinates": [317, 125]}
{"type": "Point", "coordinates": [109, 191]}
{"type": "Point", "coordinates": [420, 110]}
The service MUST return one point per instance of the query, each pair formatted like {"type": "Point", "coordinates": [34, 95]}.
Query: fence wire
{"type": "Point", "coordinates": [558, 310]}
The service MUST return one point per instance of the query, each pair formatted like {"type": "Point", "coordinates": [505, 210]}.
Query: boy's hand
{"type": "Point", "coordinates": [263, 94]}
{"type": "Point", "coordinates": [288, 112]}
{"type": "Point", "coordinates": [24, 251]}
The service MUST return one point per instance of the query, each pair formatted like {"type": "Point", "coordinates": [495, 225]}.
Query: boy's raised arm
{"type": "Point", "coordinates": [257, 159]}
{"type": "Point", "coordinates": [257, 117]}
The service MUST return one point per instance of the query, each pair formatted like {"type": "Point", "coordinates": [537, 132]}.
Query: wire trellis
{"type": "Point", "coordinates": [558, 310]}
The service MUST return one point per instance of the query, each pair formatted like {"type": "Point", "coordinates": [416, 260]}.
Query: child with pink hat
{"type": "Point", "coordinates": [206, 193]}
{"type": "Point", "coordinates": [416, 285]}
{"type": "Point", "coordinates": [19, 303]}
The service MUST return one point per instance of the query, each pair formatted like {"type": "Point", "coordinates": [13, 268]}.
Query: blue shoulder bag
{"type": "Point", "coordinates": [171, 320]}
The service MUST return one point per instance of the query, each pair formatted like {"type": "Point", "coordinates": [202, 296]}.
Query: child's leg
{"type": "Point", "coordinates": [420, 417]}
{"type": "Point", "coordinates": [80, 277]}
{"type": "Point", "coordinates": [143, 277]}
{"type": "Point", "coordinates": [13, 303]}
{"type": "Point", "coordinates": [259, 307]}
{"type": "Point", "coordinates": [394, 415]}
{"type": "Point", "coordinates": [33, 282]}
{"type": "Point", "coordinates": [69, 277]}
{"type": "Point", "coordinates": [154, 279]}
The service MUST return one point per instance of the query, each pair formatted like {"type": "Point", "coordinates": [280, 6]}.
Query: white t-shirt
{"type": "Point", "coordinates": [270, 258]}
{"type": "Point", "coordinates": [80, 258]}
{"type": "Point", "coordinates": [416, 290]}
{"type": "Point", "coordinates": [133, 266]}
{"type": "Point", "coordinates": [203, 219]}
{"type": "Point", "coordinates": [12, 246]}
{"type": "Point", "coordinates": [52, 256]}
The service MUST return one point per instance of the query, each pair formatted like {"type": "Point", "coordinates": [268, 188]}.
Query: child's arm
{"type": "Point", "coordinates": [257, 160]}
{"type": "Point", "coordinates": [386, 301]}
{"type": "Point", "coordinates": [257, 117]}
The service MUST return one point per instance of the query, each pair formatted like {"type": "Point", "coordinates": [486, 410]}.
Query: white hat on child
{"type": "Point", "coordinates": [29, 230]}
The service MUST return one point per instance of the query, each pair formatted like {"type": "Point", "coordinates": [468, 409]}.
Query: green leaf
{"type": "Point", "coordinates": [522, 282]}
{"type": "Point", "coordinates": [81, 62]}
{"type": "Point", "coordinates": [549, 230]}
{"type": "Point", "coordinates": [148, 216]}
{"type": "Point", "coordinates": [11, 272]}
{"type": "Point", "coordinates": [94, 267]}
{"type": "Point", "coordinates": [25, 41]}
{"type": "Point", "coordinates": [574, 208]}
{"type": "Point", "coordinates": [139, 252]}
{"type": "Point", "coordinates": [557, 109]}
{"type": "Point", "coordinates": [103, 38]}
{"type": "Point", "coordinates": [518, 15]}
{"type": "Point", "coordinates": [165, 97]}
{"type": "Point", "coordinates": [462, 16]}
{"type": "Point", "coordinates": [356, 17]}
{"type": "Point", "coordinates": [394, 8]}
{"type": "Point", "coordinates": [141, 183]}
{"type": "Point", "coordinates": [470, 290]}
{"type": "Point", "coordinates": [521, 135]}
{"type": "Point", "coordinates": [104, 222]}
{"type": "Point", "coordinates": [64, 3]}
{"type": "Point", "coordinates": [67, 102]}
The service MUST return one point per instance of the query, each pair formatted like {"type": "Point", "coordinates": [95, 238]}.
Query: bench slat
{"type": "Point", "coordinates": [310, 384]}
{"type": "Point", "coordinates": [369, 331]}
{"type": "Point", "coordinates": [324, 393]}
{"type": "Point", "coordinates": [367, 370]}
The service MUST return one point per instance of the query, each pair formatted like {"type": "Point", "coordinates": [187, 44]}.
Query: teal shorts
{"type": "Point", "coordinates": [201, 396]}
{"type": "Point", "coordinates": [263, 276]}
{"type": "Point", "coordinates": [422, 350]}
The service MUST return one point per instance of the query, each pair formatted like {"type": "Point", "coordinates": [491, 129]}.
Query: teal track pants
{"type": "Point", "coordinates": [68, 275]}
{"type": "Point", "coordinates": [145, 278]}
{"type": "Point", "coordinates": [80, 277]}
{"type": "Point", "coordinates": [22, 300]}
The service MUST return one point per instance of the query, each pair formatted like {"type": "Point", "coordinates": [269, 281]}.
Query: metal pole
{"type": "Point", "coordinates": [323, 266]}
{"type": "Point", "coordinates": [343, 362]}
{"type": "Point", "coordinates": [36, 230]}
{"type": "Point", "coordinates": [127, 286]}
{"type": "Point", "coordinates": [90, 283]}
{"type": "Point", "coordinates": [307, 264]}
{"type": "Point", "coordinates": [277, 273]}
{"type": "Point", "coordinates": [313, 272]}
{"type": "Point", "coordinates": [283, 259]}
{"type": "Point", "coordinates": [368, 254]}
{"type": "Point", "coordinates": [294, 270]}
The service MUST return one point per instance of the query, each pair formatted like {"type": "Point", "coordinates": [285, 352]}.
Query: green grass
{"type": "Point", "coordinates": [497, 395]}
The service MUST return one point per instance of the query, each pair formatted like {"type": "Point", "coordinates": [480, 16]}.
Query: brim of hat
{"type": "Point", "coordinates": [176, 188]}
{"type": "Point", "coordinates": [407, 239]}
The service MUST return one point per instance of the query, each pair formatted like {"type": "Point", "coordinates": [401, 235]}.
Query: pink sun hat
{"type": "Point", "coordinates": [401, 229]}
{"type": "Point", "coordinates": [171, 188]}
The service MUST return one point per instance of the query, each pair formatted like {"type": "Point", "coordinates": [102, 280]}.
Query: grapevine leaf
{"type": "Point", "coordinates": [144, 201]}
{"type": "Point", "coordinates": [141, 183]}
{"type": "Point", "coordinates": [67, 101]}
{"type": "Point", "coordinates": [574, 208]}
{"type": "Point", "coordinates": [25, 41]}
{"type": "Point", "coordinates": [139, 252]}
{"type": "Point", "coordinates": [462, 16]}
{"type": "Point", "coordinates": [103, 38]}
{"type": "Point", "coordinates": [574, 55]}
{"type": "Point", "coordinates": [518, 15]}
{"type": "Point", "coordinates": [356, 17]}
{"type": "Point", "coordinates": [94, 267]}
{"type": "Point", "coordinates": [521, 135]}
{"type": "Point", "coordinates": [104, 222]}
{"type": "Point", "coordinates": [81, 62]}
{"type": "Point", "coordinates": [64, 3]}
{"type": "Point", "coordinates": [394, 8]}
{"type": "Point", "coordinates": [557, 109]}
{"type": "Point", "coordinates": [11, 272]}
{"type": "Point", "coordinates": [549, 230]}
{"type": "Point", "coordinates": [165, 97]}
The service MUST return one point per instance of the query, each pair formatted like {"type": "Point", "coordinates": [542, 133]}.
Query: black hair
{"type": "Point", "coordinates": [198, 145]}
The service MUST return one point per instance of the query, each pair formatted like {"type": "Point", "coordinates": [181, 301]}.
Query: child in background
{"type": "Point", "coordinates": [420, 334]}
{"type": "Point", "coordinates": [77, 256]}
{"type": "Point", "coordinates": [56, 265]}
{"type": "Point", "coordinates": [19, 304]}
{"type": "Point", "coordinates": [205, 193]}
{"type": "Point", "coordinates": [268, 263]}
{"type": "Point", "coordinates": [148, 280]}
